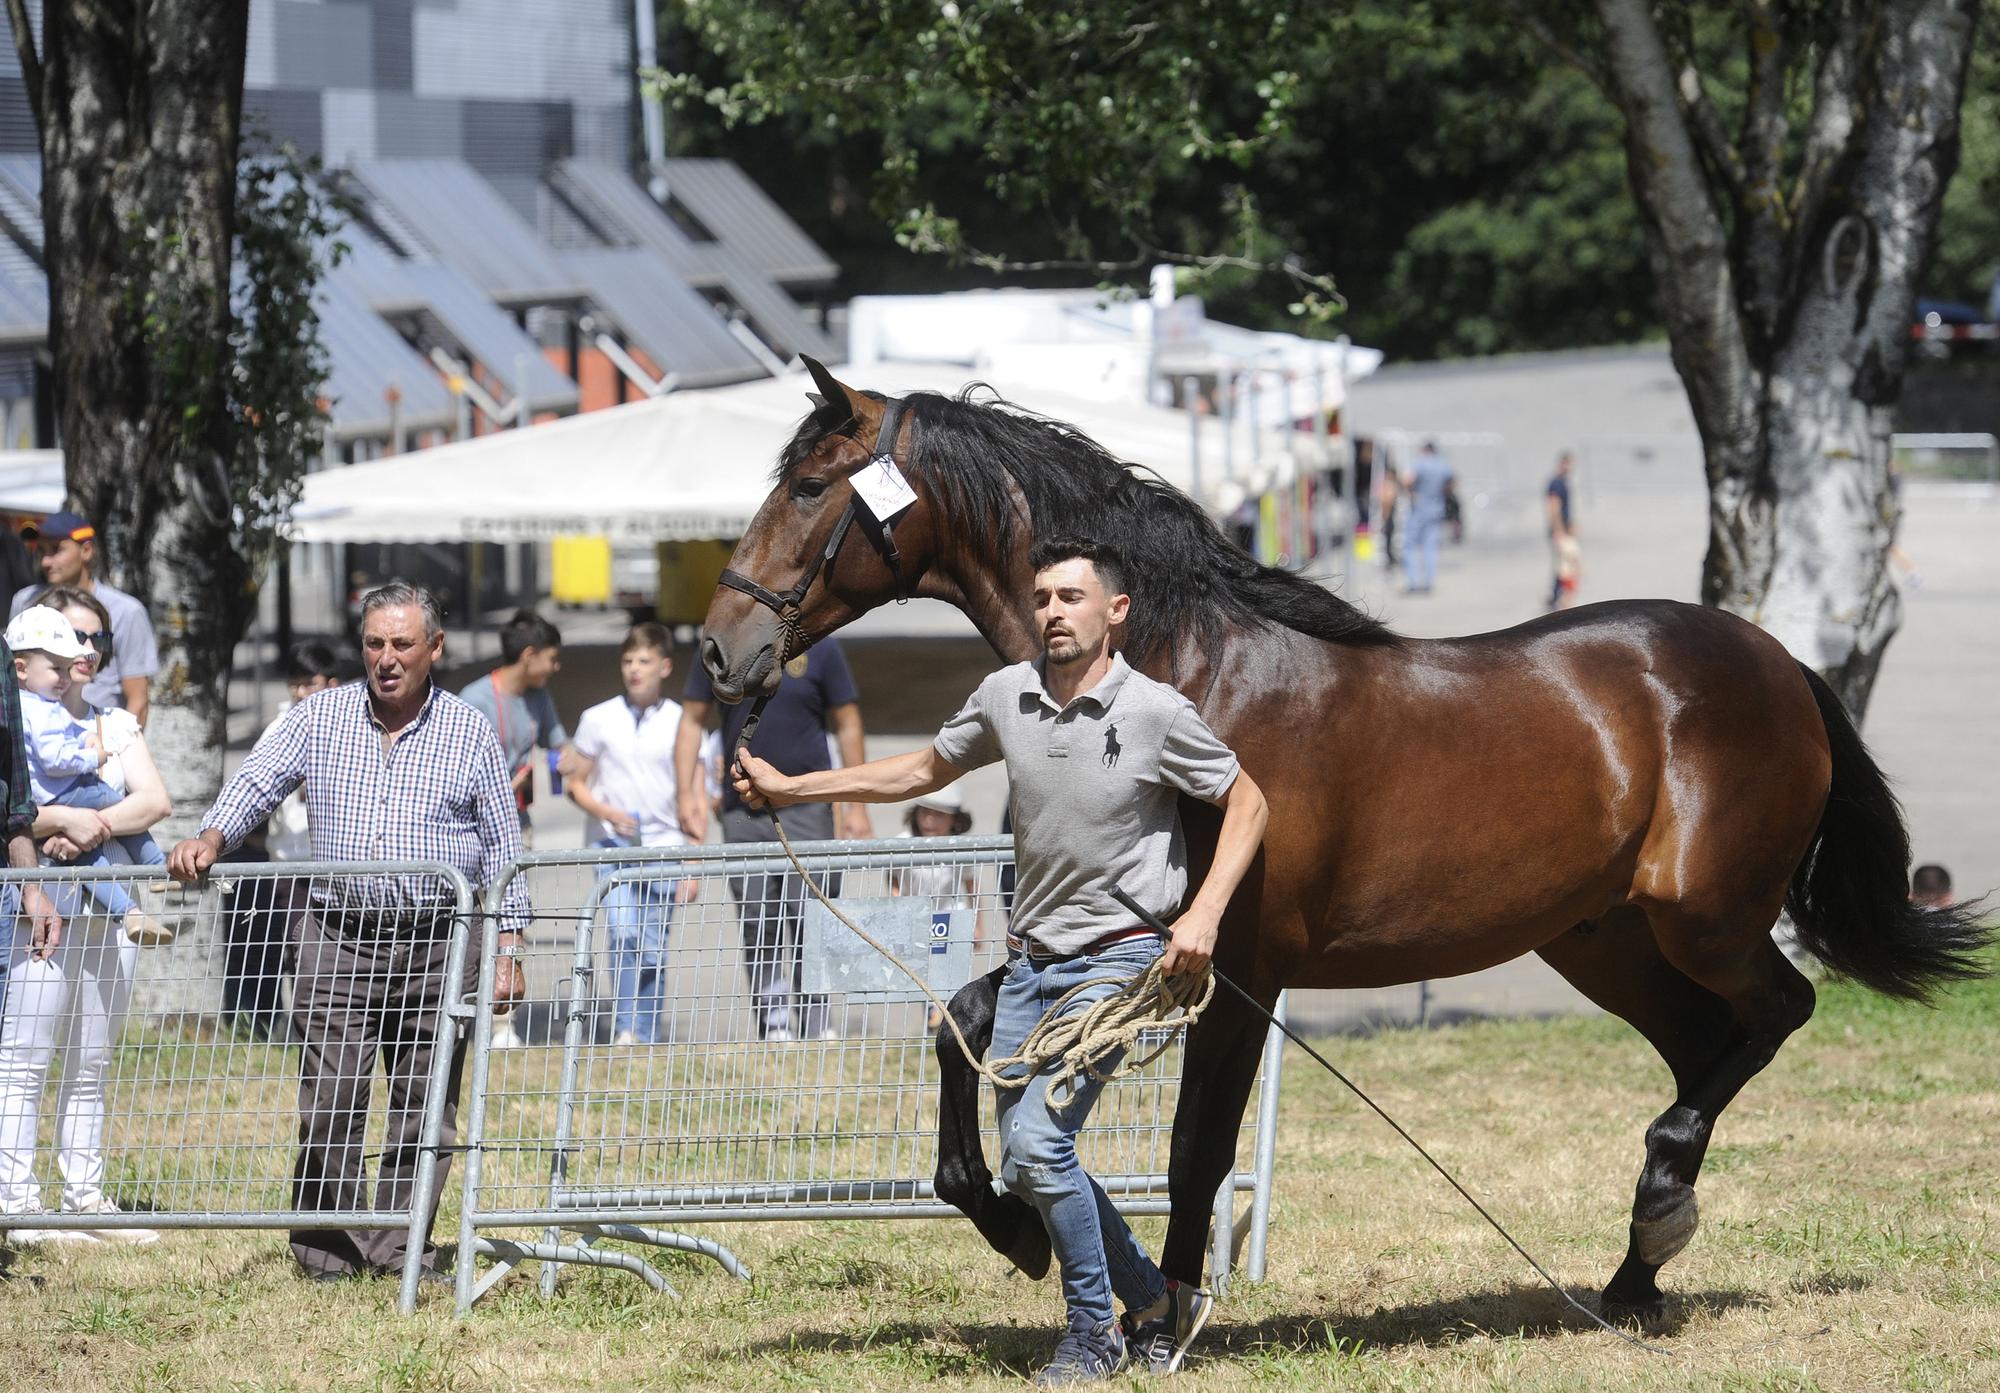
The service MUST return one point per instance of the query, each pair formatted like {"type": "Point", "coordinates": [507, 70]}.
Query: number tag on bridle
{"type": "Point", "coordinates": [882, 489]}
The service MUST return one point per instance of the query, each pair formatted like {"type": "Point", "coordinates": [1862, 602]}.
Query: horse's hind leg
{"type": "Point", "coordinates": [1716, 1006]}
{"type": "Point", "coordinates": [963, 1179]}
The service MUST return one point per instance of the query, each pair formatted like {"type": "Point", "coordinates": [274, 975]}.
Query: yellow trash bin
{"type": "Point", "coordinates": [581, 571]}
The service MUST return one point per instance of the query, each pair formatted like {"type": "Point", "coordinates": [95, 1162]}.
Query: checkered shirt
{"type": "Point", "coordinates": [441, 794]}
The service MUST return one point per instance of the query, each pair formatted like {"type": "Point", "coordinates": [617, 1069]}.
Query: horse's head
{"type": "Point", "coordinates": [816, 555]}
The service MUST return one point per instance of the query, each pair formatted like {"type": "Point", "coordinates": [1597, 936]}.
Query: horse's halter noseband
{"type": "Point", "coordinates": [785, 604]}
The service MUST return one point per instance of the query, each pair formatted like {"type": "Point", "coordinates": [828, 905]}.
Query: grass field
{"type": "Point", "coordinates": [1849, 1241]}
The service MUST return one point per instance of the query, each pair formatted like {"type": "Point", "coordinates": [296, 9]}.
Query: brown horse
{"type": "Point", "coordinates": [1633, 790]}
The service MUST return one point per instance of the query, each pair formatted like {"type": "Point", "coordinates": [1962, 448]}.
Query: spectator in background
{"type": "Point", "coordinates": [1930, 886]}
{"type": "Point", "coordinates": [74, 999]}
{"type": "Point", "coordinates": [624, 781]}
{"type": "Point", "coordinates": [1387, 493]}
{"type": "Point", "coordinates": [68, 550]}
{"type": "Point", "coordinates": [1428, 481]}
{"type": "Point", "coordinates": [68, 747]}
{"type": "Point", "coordinates": [1565, 558]}
{"type": "Point", "coordinates": [815, 699]}
{"type": "Point", "coordinates": [939, 813]}
{"type": "Point", "coordinates": [393, 770]}
{"type": "Point", "coordinates": [259, 912]}
{"type": "Point", "coordinates": [38, 936]}
{"type": "Point", "coordinates": [515, 698]}
{"type": "Point", "coordinates": [18, 567]}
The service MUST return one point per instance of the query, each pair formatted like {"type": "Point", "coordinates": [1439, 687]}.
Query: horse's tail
{"type": "Point", "coordinates": [1850, 897]}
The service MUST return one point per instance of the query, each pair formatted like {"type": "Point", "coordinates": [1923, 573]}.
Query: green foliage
{"type": "Point", "coordinates": [1465, 186]}
{"type": "Point", "coordinates": [287, 220]}
{"type": "Point", "coordinates": [1076, 126]}
{"type": "Point", "coordinates": [271, 359]}
{"type": "Point", "coordinates": [1356, 141]}
{"type": "Point", "coordinates": [1968, 250]}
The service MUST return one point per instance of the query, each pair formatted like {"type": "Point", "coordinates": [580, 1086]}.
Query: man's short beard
{"type": "Point", "coordinates": [1062, 649]}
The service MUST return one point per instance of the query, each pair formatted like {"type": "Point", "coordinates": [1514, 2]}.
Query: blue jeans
{"type": "Point", "coordinates": [1420, 550]}
{"type": "Point", "coordinates": [139, 846]}
{"type": "Point", "coordinates": [637, 915]}
{"type": "Point", "coordinates": [1093, 1243]}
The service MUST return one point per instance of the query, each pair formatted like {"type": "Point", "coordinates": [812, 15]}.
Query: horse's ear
{"type": "Point", "coordinates": [859, 407]}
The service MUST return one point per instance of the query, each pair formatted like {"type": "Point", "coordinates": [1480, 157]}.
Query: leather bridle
{"type": "Point", "coordinates": [786, 604]}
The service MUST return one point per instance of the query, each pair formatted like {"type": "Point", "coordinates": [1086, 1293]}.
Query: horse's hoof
{"type": "Point", "coordinates": [1654, 1241]}
{"type": "Point", "coordinates": [1633, 1293]}
{"type": "Point", "coordinates": [1030, 1252]}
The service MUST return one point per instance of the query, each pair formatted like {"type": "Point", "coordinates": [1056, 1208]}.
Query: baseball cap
{"type": "Point", "coordinates": [40, 627]}
{"type": "Point", "coordinates": [59, 527]}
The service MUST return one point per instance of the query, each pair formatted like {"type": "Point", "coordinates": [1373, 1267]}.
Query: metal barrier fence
{"type": "Point", "coordinates": [165, 1081]}
{"type": "Point", "coordinates": [702, 1042]}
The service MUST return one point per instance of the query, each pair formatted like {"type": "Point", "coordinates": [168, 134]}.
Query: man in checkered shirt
{"type": "Point", "coordinates": [394, 770]}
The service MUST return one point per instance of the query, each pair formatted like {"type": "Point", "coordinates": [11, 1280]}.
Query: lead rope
{"type": "Point", "coordinates": [1075, 1044]}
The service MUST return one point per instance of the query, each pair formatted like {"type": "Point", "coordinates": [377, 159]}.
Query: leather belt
{"type": "Point", "coordinates": [384, 922]}
{"type": "Point", "coordinates": [1017, 944]}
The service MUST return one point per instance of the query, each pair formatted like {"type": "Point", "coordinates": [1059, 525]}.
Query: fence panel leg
{"type": "Point", "coordinates": [1266, 1145]}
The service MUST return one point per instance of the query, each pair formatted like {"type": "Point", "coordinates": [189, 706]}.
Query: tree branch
{"type": "Point", "coordinates": [1764, 217]}
{"type": "Point", "coordinates": [1836, 111]}
{"type": "Point", "coordinates": [1704, 120]}
{"type": "Point", "coordinates": [31, 63]}
{"type": "Point", "coordinates": [1764, 124]}
{"type": "Point", "coordinates": [1685, 240]}
{"type": "Point", "coordinates": [1912, 81]}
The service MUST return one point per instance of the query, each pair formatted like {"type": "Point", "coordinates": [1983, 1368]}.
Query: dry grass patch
{"type": "Point", "coordinates": [1848, 1243]}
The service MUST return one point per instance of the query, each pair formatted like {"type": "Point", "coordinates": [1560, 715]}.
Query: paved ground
{"type": "Point", "coordinates": [1934, 724]}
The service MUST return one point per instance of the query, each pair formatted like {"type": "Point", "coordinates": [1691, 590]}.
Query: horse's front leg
{"type": "Point", "coordinates": [963, 1180]}
{"type": "Point", "coordinates": [1224, 1048]}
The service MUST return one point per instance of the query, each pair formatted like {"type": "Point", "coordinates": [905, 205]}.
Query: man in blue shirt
{"type": "Point", "coordinates": [1428, 482]}
{"type": "Point", "coordinates": [815, 700]}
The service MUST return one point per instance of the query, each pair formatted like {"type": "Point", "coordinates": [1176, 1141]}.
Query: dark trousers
{"type": "Point", "coordinates": [360, 996]}
{"type": "Point", "coordinates": [258, 914]}
{"type": "Point", "coordinates": [771, 909]}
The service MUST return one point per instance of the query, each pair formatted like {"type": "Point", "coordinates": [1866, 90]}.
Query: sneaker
{"type": "Point", "coordinates": [26, 1238]}
{"type": "Point", "coordinates": [145, 931]}
{"type": "Point", "coordinates": [1162, 1342]}
{"type": "Point", "coordinates": [779, 1035]}
{"type": "Point", "coordinates": [1085, 1354]}
{"type": "Point", "coordinates": [831, 1032]}
{"type": "Point", "coordinates": [625, 1037]}
{"type": "Point", "coordinates": [102, 1205]}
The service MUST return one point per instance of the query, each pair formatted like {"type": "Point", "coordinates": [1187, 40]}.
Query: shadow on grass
{"type": "Point", "coordinates": [1515, 1311]}
{"type": "Point", "coordinates": [1017, 1350]}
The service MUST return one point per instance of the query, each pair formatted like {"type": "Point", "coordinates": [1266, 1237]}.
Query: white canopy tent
{"type": "Point", "coordinates": [31, 481]}
{"type": "Point", "coordinates": [686, 466]}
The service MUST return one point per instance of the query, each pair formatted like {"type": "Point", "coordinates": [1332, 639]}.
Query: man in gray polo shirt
{"type": "Point", "coordinates": [1098, 756]}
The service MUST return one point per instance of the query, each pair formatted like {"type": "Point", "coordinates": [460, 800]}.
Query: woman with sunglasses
{"type": "Point", "coordinates": [75, 998]}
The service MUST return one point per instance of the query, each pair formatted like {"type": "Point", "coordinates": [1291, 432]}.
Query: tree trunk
{"type": "Point", "coordinates": [1791, 328]}
{"type": "Point", "coordinates": [139, 104]}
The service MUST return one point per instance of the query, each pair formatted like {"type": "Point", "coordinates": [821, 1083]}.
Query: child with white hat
{"type": "Point", "coordinates": [65, 756]}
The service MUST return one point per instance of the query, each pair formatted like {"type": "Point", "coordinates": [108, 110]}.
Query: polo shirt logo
{"type": "Point", "coordinates": [1112, 749]}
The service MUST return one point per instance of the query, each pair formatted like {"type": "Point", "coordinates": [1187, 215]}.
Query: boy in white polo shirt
{"type": "Point", "coordinates": [625, 785]}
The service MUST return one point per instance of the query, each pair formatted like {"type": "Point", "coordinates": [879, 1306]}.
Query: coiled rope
{"type": "Point", "coordinates": [1076, 1045]}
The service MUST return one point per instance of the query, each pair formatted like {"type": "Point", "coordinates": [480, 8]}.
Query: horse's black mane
{"type": "Point", "coordinates": [1186, 578]}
